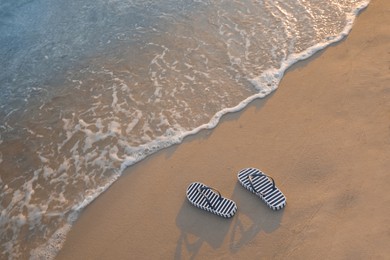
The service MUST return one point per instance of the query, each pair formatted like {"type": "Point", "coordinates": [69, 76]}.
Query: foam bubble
{"type": "Point", "coordinates": [50, 249]}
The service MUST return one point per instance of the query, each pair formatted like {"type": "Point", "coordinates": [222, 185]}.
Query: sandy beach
{"type": "Point", "coordinates": [324, 136]}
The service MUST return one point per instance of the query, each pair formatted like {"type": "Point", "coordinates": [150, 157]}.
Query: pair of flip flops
{"type": "Point", "coordinates": [254, 180]}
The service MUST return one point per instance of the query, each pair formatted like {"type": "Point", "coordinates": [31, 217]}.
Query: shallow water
{"type": "Point", "coordinates": [90, 88]}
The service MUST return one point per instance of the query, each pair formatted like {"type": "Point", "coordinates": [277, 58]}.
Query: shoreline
{"type": "Point", "coordinates": [324, 137]}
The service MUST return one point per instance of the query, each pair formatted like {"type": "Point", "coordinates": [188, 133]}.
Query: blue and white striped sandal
{"type": "Point", "coordinates": [210, 199]}
{"type": "Point", "coordinates": [263, 186]}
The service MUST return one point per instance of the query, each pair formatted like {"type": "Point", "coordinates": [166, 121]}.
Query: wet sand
{"type": "Point", "coordinates": [324, 136]}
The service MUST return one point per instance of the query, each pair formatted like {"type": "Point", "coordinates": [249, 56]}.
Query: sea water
{"type": "Point", "coordinates": [91, 87]}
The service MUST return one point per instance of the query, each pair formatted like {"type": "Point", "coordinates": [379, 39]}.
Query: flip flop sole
{"type": "Point", "coordinates": [220, 206]}
{"type": "Point", "coordinates": [274, 198]}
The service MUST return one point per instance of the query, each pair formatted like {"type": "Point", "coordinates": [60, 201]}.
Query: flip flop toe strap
{"type": "Point", "coordinates": [202, 191]}
{"type": "Point", "coordinates": [251, 179]}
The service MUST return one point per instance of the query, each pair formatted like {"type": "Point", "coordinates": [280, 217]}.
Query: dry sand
{"type": "Point", "coordinates": [324, 136]}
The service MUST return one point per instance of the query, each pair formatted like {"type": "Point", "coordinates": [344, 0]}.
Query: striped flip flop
{"type": "Point", "coordinates": [263, 186]}
{"type": "Point", "coordinates": [210, 199]}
